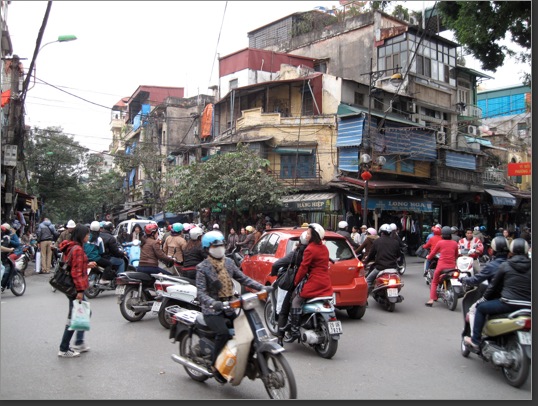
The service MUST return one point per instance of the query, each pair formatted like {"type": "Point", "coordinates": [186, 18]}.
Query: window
{"type": "Point", "coordinates": [321, 67]}
{"type": "Point", "coordinates": [359, 99]}
{"type": "Point", "coordinates": [233, 84]}
{"type": "Point", "coordinates": [297, 166]}
{"type": "Point", "coordinates": [308, 103]}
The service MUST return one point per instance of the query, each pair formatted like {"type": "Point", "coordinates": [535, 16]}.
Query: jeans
{"type": "Point", "coordinates": [370, 279]}
{"type": "Point", "coordinates": [118, 262]}
{"type": "Point", "coordinates": [485, 308]}
{"type": "Point", "coordinates": [68, 334]}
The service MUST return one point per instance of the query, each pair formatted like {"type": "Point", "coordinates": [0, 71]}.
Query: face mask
{"type": "Point", "coordinates": [217, 252]}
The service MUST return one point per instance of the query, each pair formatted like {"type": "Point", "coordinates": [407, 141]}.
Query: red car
{"type": "Point", "coordinates": [347, 271]}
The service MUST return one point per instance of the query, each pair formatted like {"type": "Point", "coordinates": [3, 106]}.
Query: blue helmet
{"type": "Point", "coordinates": [177, 227]}
{"type": "Point", "coordinates": [214, 238]}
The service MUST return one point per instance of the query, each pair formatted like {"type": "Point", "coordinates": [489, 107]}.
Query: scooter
{"type": "Point", "coordinates": [12, 278]}
{"type": "Point", "coordinates": [96, 286]}
{"type": "Point", "coordinates": [506, 339]}
{"type": "Point", "coordinates": [250, 352]}
{"type": "Point", "coordinates": [401, 259]}
{"type": "Point", "coordinates": [22, 260]}
{"type": "Point", "coordinates": [387, 287]}
{"type": "Point", "coordinates": [450, 288]}
{"type": "Point", "coordinates": [318, 325]}
{"type": "Point", "coordinates": [173, 291]}
{"type": "Point", "coordinates": [464, 263]}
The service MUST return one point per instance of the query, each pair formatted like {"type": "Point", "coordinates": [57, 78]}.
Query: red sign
{"type": "Point", "coordinates": [519, 169]}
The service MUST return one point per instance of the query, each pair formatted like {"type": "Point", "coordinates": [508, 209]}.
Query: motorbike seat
{"type": "Point", "coordinates": [139, 275]}
{"type": "Point", "coordinates": [387, 271]}
{"type": "Point", "coordinates": [445, 271]}
{"type": "Point", "coordinates": [315, 299]}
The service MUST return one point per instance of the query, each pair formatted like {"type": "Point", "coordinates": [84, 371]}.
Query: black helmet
{"type": "Point", "coordinates": [499, 244]}
{"type": "Point", "coordinates": [519, 246]}
{"type": "Point", "coordinates": [446, 233]}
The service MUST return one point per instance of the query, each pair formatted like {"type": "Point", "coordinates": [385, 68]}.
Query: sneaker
{"type": "Point", "coordinates": [68, 354]}
{"type": "Point", "coordinates": [81, 348]}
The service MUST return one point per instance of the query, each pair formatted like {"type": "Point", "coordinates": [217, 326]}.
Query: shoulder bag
{"type": "Point", "coordinates": [287, 279]}
{"type": "Point", "coordinates": [62, 280]}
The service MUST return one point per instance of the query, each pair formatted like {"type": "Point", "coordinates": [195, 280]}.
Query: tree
{"type": "Point", "coordinates": [481, 26]}
{"type": "Point", "coordinates": [237, 181]}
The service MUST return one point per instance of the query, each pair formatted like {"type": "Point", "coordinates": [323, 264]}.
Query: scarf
{"type": "Point", "coordinates": [225, 279]}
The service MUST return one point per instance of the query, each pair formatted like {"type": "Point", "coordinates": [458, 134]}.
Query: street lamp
{"type": "Point", "coordinates": [61, 38]}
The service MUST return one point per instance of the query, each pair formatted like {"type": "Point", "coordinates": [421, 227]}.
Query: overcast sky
{"type": "Point", "coordinates": [124, 44]}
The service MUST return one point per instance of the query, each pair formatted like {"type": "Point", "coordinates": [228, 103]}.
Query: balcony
{"type": "Point", "coordinates": [469, 113]}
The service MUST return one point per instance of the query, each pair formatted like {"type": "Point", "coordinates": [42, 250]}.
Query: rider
{"type": "Point", "coordinates": [293, 258]}
{"type": "Point", "coordinates": [342, 230]}
{"type": "Point", "coordinates": [214, 282]}
{"type": "Point", "coordinates": [94, 249]}
{"type": "Point", "coordinates": [430, 244]}
{"type": "Point", "coordinates": [151, 252]}
{"type": "Point", "coordinates": [371, 236]}
{"type": "Point", "coordinates": [175, 244]}
{"type": "Point", "coordinates": [113, 251]}
{"type": "Point", "coordinates": [314, 269]}
{"type": "Point", "coordinates": [193, 254]}
{"type": "Point", "coordinates": [474, 248]}
{"type": "Point", "coordinates": [510, 290]}
{"type": "Point", "coordinates": [385, 252]}
{"type": "Point", "coordinates": [448, 252]}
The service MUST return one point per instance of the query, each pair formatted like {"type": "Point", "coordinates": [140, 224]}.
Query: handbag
{"type": "Point", "coordinates": [80, 316]}
{"type": "Point", "coordinates": [287, 279]}
{"type": "Point", "coordinates": [62, 280]}
{"type": "Point", "coordinates": [421, 252]}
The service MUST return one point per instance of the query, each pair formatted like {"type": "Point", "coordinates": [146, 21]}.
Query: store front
{"type": "Point", "coordinates": [322, 208]}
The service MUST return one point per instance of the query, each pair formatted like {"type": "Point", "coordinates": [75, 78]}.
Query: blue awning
{"type": "Point", "coordinates": [350, 132]}
{"type": "Point", "coordinates": [300, 151]}
{"type": "Point", "coordinates": [501, 198]}
{"type": "Point", "coordinates": [460, 160]}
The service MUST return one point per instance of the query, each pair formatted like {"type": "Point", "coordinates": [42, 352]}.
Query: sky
{"type": "Point", "coordinates": [122, 45]}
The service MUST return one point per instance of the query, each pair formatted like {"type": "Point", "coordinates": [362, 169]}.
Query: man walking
{"type": "Point", "coordinates": [46, 234]}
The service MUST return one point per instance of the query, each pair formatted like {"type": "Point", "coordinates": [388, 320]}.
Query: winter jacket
{"type": "Point", "coordinates": [512, 282]}
{"type": "Point", "coordinates": [366, 245]}
{"type": "Point", "coordinates": [208, 284]}
{"type": "Point", "coordinates": [473, 244]}
{"type": "Point", "coordinates": [151, 253]}
{"type": "Point", "coordinates": [385, 252]}
{"type": "Point", "coordinates": [488, 272]}
{"type": "Point", "coordinates": [112, 248]}
{"type": "Point", "coordinates": [315, 263]}
{"type": "Point", "coordinates": [248, 243]}
{"type": "Point", "coordinates": [294, 257]}
{"type": "Point", "coordinates": [448, 250]}
{"type": "Point", "coordinates": [347, 235]}
{"type": "Point", "coordinates": [174, 246]}
{"type": "Point", "coordinates": [232, 239]}
{"type": "Point", "coordinates": [193, 254]}
{"type": "Point", "coordinates": [46, 231]}
{"type": "Point", "coordinates": [430, 244]}
{"type": "Point", "coordinates": [79, 263]}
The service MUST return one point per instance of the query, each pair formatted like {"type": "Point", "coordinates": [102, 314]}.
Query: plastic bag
{"type": "Point", "coordinates": [80, 316]}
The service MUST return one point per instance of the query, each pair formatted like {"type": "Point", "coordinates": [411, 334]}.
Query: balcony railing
{"type": "Point", "coordinates": [470, 111]}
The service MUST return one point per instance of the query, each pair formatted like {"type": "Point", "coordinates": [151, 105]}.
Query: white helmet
{"type": "Point", "coordinates": [195, 232]}
{"type": "Point", "coordinates": [318, 229]}
{"type": "Point", "coordinates": [303, 239]}
{"type": "Point", "coordinates": [342, 224]}
{"type": "Point", "coordinates": [95, 226]}
{"type": "Point", "coordinates": [393, 227]}
{"type": "Point", "coordinates": [71, 224]}
{"type": "Point", "coordinates": [385, 228]}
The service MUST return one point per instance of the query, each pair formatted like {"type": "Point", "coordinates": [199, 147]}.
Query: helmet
{"type": "Point", "coordinates": [476, 228]}
{"type": "Point", "coordinates": [250, 229]}
{"type": "Point", "coordinates": [437, 230]}
{"type": "Point", "coordinates": [302, 238]}
{"type": "Point", "coordinates": [150, 228]}
{"type": "Point", "coordinates": [95, 226]}
{"type": "Point", "coordinates": [342, 224]}
{"type": "Point", "coordinates": [454, 229]}
{"type": "Point", "coordinates": [318, 229]}
{"type": "Point", "coordinates": [446, 232]}
{"type": "Point", "coordinates": [102, 224]}
{"type": "Point", "coordinates": [482, 228]}
{"type": "Point", "coordinates": [385, 228]}
{"type": "Point", "coordinates": [212, 238]}
{"type": "Point", "coordinates": [215, 226]}
{"type": "Point", "coordinates": [393, 227]}
{"type": "Point", "coordinates": [169, 227]}
{"type": "Point", "coordinates": [519, 246]}
{"type": "Point", "coordinates": [177, 227]}
{"type": "Point", "coordinates": [71, 224]}
{"type": "Point", "coordinates": [195, 232]}
{"type": "Point", "coordinates": [108, 226]}
{"type": "Point", "coordinates": [499, 244]}
{"type": "Point", "coordinates": [6, 226]}
{"type": "Point", "coordinates": [371, 231]}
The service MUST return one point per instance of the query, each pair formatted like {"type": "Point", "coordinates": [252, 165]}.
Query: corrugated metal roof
{"type": "Point", "coordinates": [305, 197]}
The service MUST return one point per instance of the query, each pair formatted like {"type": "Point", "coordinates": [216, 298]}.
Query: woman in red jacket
{"type": "Point", "coordinates": [315, 268]}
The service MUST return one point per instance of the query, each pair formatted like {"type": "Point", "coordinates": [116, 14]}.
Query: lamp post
{"type": "Point", "coordinates": [61, 38]}
{"type": "Point", "coordinates": [365, 160]}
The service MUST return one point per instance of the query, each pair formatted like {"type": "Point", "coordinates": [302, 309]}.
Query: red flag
{"type": "Point", "coordinates": [5, 97]}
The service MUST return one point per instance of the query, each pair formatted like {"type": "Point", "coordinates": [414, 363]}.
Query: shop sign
{"type": "Point", "coordinates": [400, 205]}
{"type": "Point", "coordinates": [519, 169]}
{"type": "Point", "coordinates": [307, 205]}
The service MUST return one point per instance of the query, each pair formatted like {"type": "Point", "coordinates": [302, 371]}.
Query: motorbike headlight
{"type": "Point", "coordinates": [250, 300]}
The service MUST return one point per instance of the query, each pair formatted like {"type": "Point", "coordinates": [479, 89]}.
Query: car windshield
{"type": "Point", "coordinates": [339, 249]}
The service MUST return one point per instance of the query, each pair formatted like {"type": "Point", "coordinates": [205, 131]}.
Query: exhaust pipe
{"type": "Point", "coordinates": [189, 364]}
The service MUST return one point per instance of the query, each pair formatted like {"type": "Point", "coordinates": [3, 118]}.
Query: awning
{"type": "Point", "coordinates": [310, 202]}
{"type": "Point", "coordinates": [501, 198]}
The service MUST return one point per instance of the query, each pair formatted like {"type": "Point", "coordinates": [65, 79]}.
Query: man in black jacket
{"type": "Point", "coordinates": [342, 230]}
{"type": "Point", "coordinates": [385, 252]}
{"type": "Point", "coordinates": [113, 252]}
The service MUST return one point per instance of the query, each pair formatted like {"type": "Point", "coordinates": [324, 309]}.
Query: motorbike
{"type": "Point", "coordinates": [94, 279]}
{"type": "Point", "coordinates": [401, 259]}
{"type": "Point", "coordinates": [450, 288]}
{"type": "Point", "coordinates": [237, 256]}
{"type": "Point", "coordinates": [13, 278]}
{"type": "Point", "coordinates": [250, 352]}
{"type": "Point", "coordinates": [464, 263]}
{"type": "Point", "coordinates": [173, 291]}
{"type": "Point", "coordinates": [506, 339]}
{"type": "Point", "coordinates": [22, 260]}
{"type": "Point", "coordinates": [387, 287]}
{"type": "Point", "coordinates": [132, 250]}
{"type": "Point", "coordinates": [318, 325]}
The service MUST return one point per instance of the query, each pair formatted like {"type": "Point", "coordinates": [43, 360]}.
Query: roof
{"type": "Point", "coordinates": [474, 72]}
{"type": "Point", "coordinates": [157, 94]}
{"type": "Point", "coordinates": [346, 110]}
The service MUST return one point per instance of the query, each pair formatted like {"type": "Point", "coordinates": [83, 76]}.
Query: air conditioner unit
{"type": "Point", "coordinates": [413, 20]}
{"type": "Point", "coordinates": [472, 129]}
{"type": "Point", "coordinates": [411, 107]}
{"type": "Point", "coordinates": [441, 137]}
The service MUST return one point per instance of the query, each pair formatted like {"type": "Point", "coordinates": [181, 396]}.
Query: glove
{"type": "Point", "coordinates": [269, 289]}
{"type": "Point", "coordinates": [217, 305]}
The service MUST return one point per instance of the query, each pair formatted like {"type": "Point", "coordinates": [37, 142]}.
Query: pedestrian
{"type": "Point", "coordinates": [46, 234]}
{"type": "Point", "coordinates": [248, 242]}
{"type": "Point", "coordinates": [355, 234]}
{"type": "Point", "coordinates": [508, 235]}
{"type": "Point", "coordinates": [242, 235]}
{"type": "Point", "coordinates": [258, 233]}
{"type": "Point", "coordinates": [231, 240]}
{"type": "Point", "coordinates": [74, 252]}
{"type": "Point", "coordinates": [66, 234]}
{"type": "Point", "coordinates": [448, 252]}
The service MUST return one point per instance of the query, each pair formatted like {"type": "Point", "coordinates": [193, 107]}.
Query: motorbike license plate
{"type": "Point", "coordinates": [120, 290]}
{"type": "Point", "coordinates": [525, 337]}
{"type": "Point", "coordinates": [156, 306]}
{"type": "Point", "coordinates": [335, 327]}
{"type": "Point", "coordinates": [392, 292]}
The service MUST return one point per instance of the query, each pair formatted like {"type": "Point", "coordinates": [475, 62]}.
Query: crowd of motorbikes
{"type": "Point", "coordinates": [253, 352]}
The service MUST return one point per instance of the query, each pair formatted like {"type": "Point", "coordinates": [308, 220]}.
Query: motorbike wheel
{"type": "Point", "coordinates": [517, 374]}
{"type": "Point", "coordinates": [356, 312]}
{"type": "Point", "coordinates": [465, 351]}
{"type": "Point", "coordinates": [131, 296]}
{"type": "Point", "coordinates": [189, 348]}
{"type": "Point", "coordinates": [18, 284]}
{"type": "Point", "coordinates": [269, 316]}
{"type": "Point", "coordinates": [92, 290]}
{"type": "Point", "coordinates": [451, 299]}
{"type": "Point", "coordinates": [164, 317]}
{"type": "Point", "coordinates": [280, 381]}
{"type": "Point", "coordinates": [328, 348]}
{"type": "Point", "coordinates": [389, 306]}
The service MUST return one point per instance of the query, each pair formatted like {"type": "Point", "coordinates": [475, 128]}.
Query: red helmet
{"type": "Point", "coordinates": [150, 228]}
{"type": "Point", "coordinates": [169, 228]}
{"type": "Point", "coordinates": [436, 231]}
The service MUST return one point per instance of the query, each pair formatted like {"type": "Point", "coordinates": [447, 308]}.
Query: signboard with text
{"type": "Point", "coordinates": [400, 205]}
{"type": "Point", "coordinates": [519, 169]}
